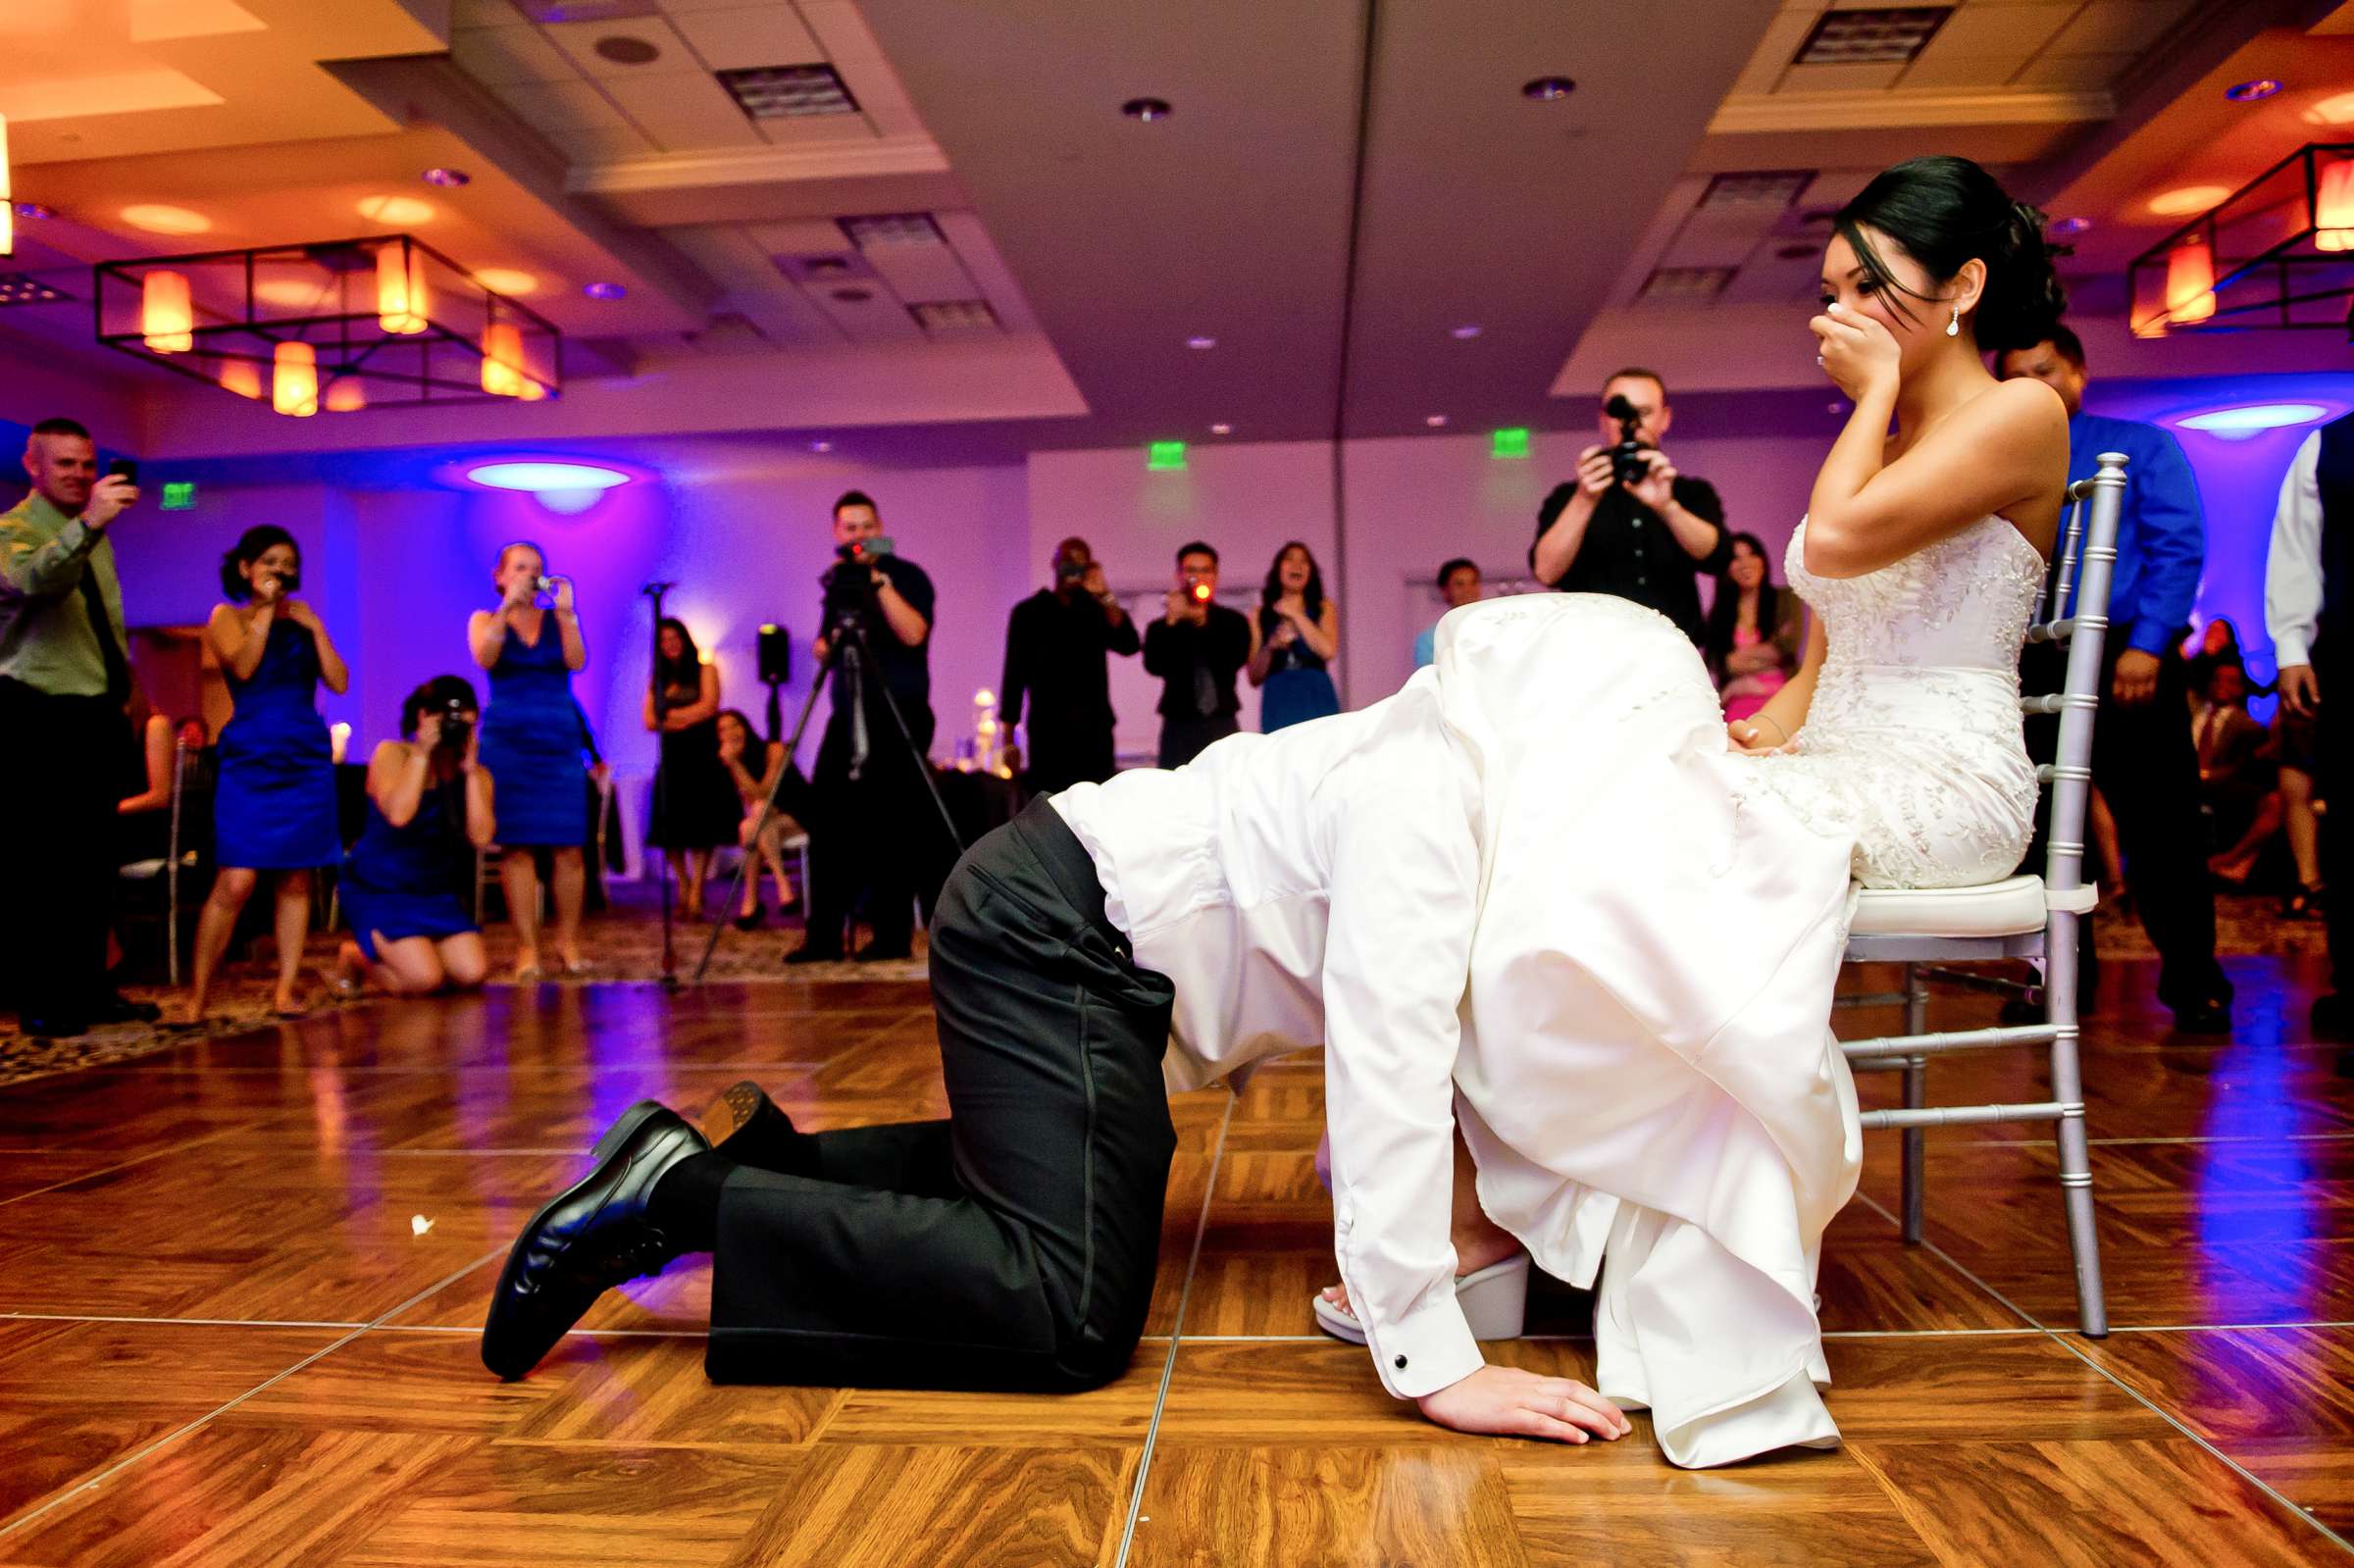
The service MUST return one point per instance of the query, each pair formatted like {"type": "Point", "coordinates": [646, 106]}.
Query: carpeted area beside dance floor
{"type": "Point", "coordinates": [245, 1276]}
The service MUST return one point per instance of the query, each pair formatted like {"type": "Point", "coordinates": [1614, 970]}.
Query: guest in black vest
{"type": "Point", "coordinates": [2308, 603]}
{"type": "Point", "coordinates": [1058, 645]}
{"type": "Point", "coordinates": [1649, 539]}
{"type": "Point", "coordinates": [1197, 649]}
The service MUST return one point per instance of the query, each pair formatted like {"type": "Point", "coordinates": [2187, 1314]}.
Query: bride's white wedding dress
{"type": "Point", "coordinates": [1646, 1025]}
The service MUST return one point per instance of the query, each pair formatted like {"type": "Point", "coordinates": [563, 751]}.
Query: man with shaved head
{"type": "Point", "coordinates": [62, 681]}
{"type": "Point", "coordinates": [1058, 647]}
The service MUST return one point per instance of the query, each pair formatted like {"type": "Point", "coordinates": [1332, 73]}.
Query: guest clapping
{"type": "Point", "coordinates": [532, 742]}
{"type": "Point", "coordinates": [695, 809]}
{"type": "Point", "coordinates": [273, 807]}
{"type": "Point", "coordinates": [1755, 634]}
{"type": "Point", "coordinates": [740, 750]}
{"type": "Point", "coordinates": [429, 806]}
{"type": "Point", "coordinates": [1298, 636]}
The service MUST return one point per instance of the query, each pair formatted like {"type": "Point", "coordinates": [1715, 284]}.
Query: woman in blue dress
{"type": "Point", "coordinates": [532, 742]}
{"type": "Point", "coordinates": [1298, 635]}
{"type": "Point", "coordinates": [274, 806]}
{"type": "Point", "coordinates": [429, 807]}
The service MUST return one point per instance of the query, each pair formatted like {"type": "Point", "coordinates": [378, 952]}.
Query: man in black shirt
{"type": "Point", "coordinates": [1058, 648]}
{"type": "Point", "coordinates": [1647, 541]}
{"type": "Point", "coordinates": [872, 825]}
{"type": "Point", "coordinates": [1197, 649]}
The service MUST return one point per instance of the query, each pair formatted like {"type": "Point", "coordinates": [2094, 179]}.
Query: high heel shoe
{"type": "Point", "coordinates": [1494, 1299]}
{"type": "Point", "coordinates": [754, 918]}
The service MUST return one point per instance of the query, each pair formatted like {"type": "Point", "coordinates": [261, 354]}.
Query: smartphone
{"type": "Point", "coordinates": [122, 468]}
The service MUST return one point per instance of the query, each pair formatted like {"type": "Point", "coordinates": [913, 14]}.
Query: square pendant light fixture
{"type": "Point", "coordinates": [337, 327]}
{"type": "Point", "coordinates": [2276, 253]}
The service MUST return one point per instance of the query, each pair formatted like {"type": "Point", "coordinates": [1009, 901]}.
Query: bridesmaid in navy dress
{"type": "Point", "coordinates": [273, 807]}
{"type": "Point", "coordinates": [532, 742]}
{"type": "Point", "coordinates": [413, 932]}
{"type": "Point", "coordinates": [1298, 636]}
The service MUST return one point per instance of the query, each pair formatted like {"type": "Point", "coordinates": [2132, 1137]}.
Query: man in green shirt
{"type": "Point", "coordinates": [64, 678]}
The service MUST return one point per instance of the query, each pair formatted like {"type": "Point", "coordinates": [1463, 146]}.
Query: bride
{"type": "Point", "coordinates": [1647, 1081]}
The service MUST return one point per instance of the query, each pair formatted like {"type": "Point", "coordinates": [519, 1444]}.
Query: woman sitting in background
{"type": "Point", "coordinates": [736, 744]}
{"type": "Point", "coordinates": [274, 799]}
{"type": "Point", "coordinates": [1298, 636]}
{"type": "Point", "coordinates": [2238, 778]}
{"type": "Point", "coordinates": [1755, 635]}
{"type": "Point", "coordinates": [694, 804]}
{"type": "Point", "coordinates": [428, 810]}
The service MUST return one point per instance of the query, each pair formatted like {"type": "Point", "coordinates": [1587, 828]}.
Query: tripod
{"type": "Point", "coordinates": [850, 662]}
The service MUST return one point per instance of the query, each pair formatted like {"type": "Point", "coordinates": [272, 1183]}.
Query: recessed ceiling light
{"type": "Point", "coordinates": [1147, 110]}
{"type": "Point", "coordinates": [23, 289]}
{"type": "Point", "coordinates": [1436, 421]}
{"type": "Point", "coordinates": [157, 220]}
{"type": "Point", "coordinates": [2188, 199]}
{"type": "Point", "coordinates": [821, 446]}
{"type": "Point", "coordinates": [2071, 226]}
{"type": "Point", "coordinates": [2252, 91]}
{"type": "Point", "coordinates": [506, 280]}
{"type": "Point", "coordinates": [1201, 342]}
{"type": "Point", "coordinates": [1549, 89]}
{"type": "Point", "coordinates": [446, 179]}
{"type": "Point", "coordinates": [1221, 430]}
{"type": "Point", "coordinates": [604, 290]}
{"type": "Point", "coordinates": [2334, 111]}
{"type": "Point", "coordinates": [34, 210]}
{"type": "Point", "coordinates": [1466, 331]}
{"type": "Point", "coordinates": [2238, 424]}
{"type": "Point", "coordinates": [397, 212]}
{"type": "Point", "coordinates": [624, 50]}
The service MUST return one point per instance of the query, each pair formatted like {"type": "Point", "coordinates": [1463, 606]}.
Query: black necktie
{"type": "Point", "coordinates": [117, 673]}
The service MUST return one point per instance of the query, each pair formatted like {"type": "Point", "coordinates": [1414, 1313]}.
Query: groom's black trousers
{"type": "Point", "coordinates": [1012, 1245]}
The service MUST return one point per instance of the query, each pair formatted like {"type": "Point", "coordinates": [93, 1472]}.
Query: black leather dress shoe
{"type": "Point", "coordinates": [591, 1236]}
{"type": "Point", "coordinates": [115, 1008]}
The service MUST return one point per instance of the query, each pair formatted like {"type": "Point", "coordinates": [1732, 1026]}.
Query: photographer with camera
{"type": "Point", "coordinates": [64, 681]}
{"type": "Point", "coordinates": [1059, 644]}
{"type": "Point", "coordinates": [870, 823]}
{"type": "Point", "coordinates": [1630, 525]}
{"type": "Point", "coordinates": [1197, 647]}
{"type": "Point", "coordinates": [429, 807]}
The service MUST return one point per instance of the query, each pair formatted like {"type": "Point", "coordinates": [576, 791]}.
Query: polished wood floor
{"type": "Point", "coordinates": [240, 1285]}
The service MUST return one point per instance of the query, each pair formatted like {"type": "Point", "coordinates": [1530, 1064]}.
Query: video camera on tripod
{"type": "Point", "coordinates": [849, 584]}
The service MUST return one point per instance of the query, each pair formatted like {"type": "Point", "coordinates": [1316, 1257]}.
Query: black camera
{"type": "Point", "coordinates": [850, 582]}
{"type": "Point", "coordinates": [1628, 465]}
{"type": "Point", "coordinates": [456, 728]}
{"type": "Point", "coordinates": [1067, 570]}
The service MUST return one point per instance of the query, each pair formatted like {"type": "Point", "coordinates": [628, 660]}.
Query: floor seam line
{"type": "Point", "coordinates": [2155, 1408]}
{"type": "Point", "coordinates": [170, 1438]}
{"type": "Point", "coordinates": [1168, 1366]}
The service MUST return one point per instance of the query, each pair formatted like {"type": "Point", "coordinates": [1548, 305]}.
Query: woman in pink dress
{"type": "Point", "coordinates": [1754, 633]}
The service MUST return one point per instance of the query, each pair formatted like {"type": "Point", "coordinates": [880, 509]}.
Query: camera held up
{"type": "Point", "coordinates": [1628, 465]}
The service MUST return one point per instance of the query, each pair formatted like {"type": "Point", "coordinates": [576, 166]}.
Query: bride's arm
{"type": "Point", "coordinates": [1779, 723]}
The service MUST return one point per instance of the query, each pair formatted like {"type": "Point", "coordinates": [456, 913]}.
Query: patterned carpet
{"type": "Point", "coordinates": [624, 944]}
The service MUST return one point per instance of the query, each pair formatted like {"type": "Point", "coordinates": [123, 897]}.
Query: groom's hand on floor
{"type": "Point", "coordinates": [1508, 1402]}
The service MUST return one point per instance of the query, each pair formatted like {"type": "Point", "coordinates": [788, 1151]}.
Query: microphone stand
{"type": "Point", "coordinates": [661, 793]}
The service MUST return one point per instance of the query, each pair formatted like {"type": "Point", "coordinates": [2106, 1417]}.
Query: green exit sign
{"type": "Point", "coordinates": [1511, 443]}
{"type": "Point", "coordinates": [1162, 457]}
{"type": "Point", "coordinates": [180, 495]}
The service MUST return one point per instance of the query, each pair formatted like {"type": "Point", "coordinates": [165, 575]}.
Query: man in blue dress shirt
{"type": "Point", "coordinates": [2142, 759]}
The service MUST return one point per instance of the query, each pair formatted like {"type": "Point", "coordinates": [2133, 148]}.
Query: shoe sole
{"type": "Point", "coordinates": [732, 1112]}
{"type": "Point", "coordinates": [1494, 1299]}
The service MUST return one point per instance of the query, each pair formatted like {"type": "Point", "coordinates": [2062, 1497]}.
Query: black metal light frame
{"type": "Point", "coordinates": [441, 364]}
{"type": "Point", "coordinates": [2268, 273]}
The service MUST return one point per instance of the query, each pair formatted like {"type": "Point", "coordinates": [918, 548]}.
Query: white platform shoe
{"type": "Point", "coordinates": [1494, 1299]}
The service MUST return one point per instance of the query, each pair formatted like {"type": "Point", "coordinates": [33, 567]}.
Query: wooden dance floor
{"type": "Point", "coordinates": [240, 1283]}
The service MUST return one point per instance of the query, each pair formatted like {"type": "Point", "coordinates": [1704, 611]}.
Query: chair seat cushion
{"type": "Point", "coordinates": [2005, 908]}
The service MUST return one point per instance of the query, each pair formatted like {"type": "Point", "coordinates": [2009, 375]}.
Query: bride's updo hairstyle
{"type": "Point", "coordinates": [1944, 211]}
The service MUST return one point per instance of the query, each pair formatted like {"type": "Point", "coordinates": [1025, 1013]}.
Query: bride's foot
{"type": "Point", "coordinates": [1491, 1283]}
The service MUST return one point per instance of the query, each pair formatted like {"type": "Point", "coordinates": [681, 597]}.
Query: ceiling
{"type": "Point", "coordinates": [1352, 219]}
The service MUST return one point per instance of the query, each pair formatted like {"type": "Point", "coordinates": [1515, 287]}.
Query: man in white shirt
{"type": "Point", "coordinates": [2308, 600]}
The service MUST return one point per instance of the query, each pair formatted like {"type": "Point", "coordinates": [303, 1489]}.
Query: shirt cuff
{"type": "Point", "coordinates": [1424, 1351]}
{"type": "Point", "coordinates": [2150, 636]}
{"type": "Point", "coordinates": [2290, 647]}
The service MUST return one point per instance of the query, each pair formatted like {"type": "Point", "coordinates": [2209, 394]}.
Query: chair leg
{"type": "Point", "coordinates": [2076, 1152]}
{"type": "Point", "coordinates": [1917, 1095]}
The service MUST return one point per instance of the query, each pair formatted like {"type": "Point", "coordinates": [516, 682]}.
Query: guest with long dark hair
{"type": "Point", "coordinates": [274, 801]}
{"type": "Point", "coordinates": [1755, 635]}
{"type": "Point", "coordinates": [429, 806]}
{"type": "Point", "coordinates": [740, 744]}
{"type": "Point", "coordinates": [1298, 636]}
{"type": "Point", "coordinates": [532, 742]}
{"type": "Point", "coordinates": [695, 809]}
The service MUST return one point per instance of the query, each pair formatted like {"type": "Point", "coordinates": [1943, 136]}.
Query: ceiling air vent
{"type": "Point", "coordinates": [955, 317]}
{"type": "Point", "coordinates": [23, 289]}
{"type": "Point", "coordinates": [1685, 286]}
{"type": "Point", "coordinates": [892, 228]}
{"type": "Point", "coordinates": [787, 92]}
{"type": "Point", "coordinates": [1872, 37]}
{"type": "Point", "coordinates": [1768, 191]}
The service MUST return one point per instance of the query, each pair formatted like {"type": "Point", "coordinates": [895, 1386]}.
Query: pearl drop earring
{"type": "Point", "coordinates": [1953, 329]}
